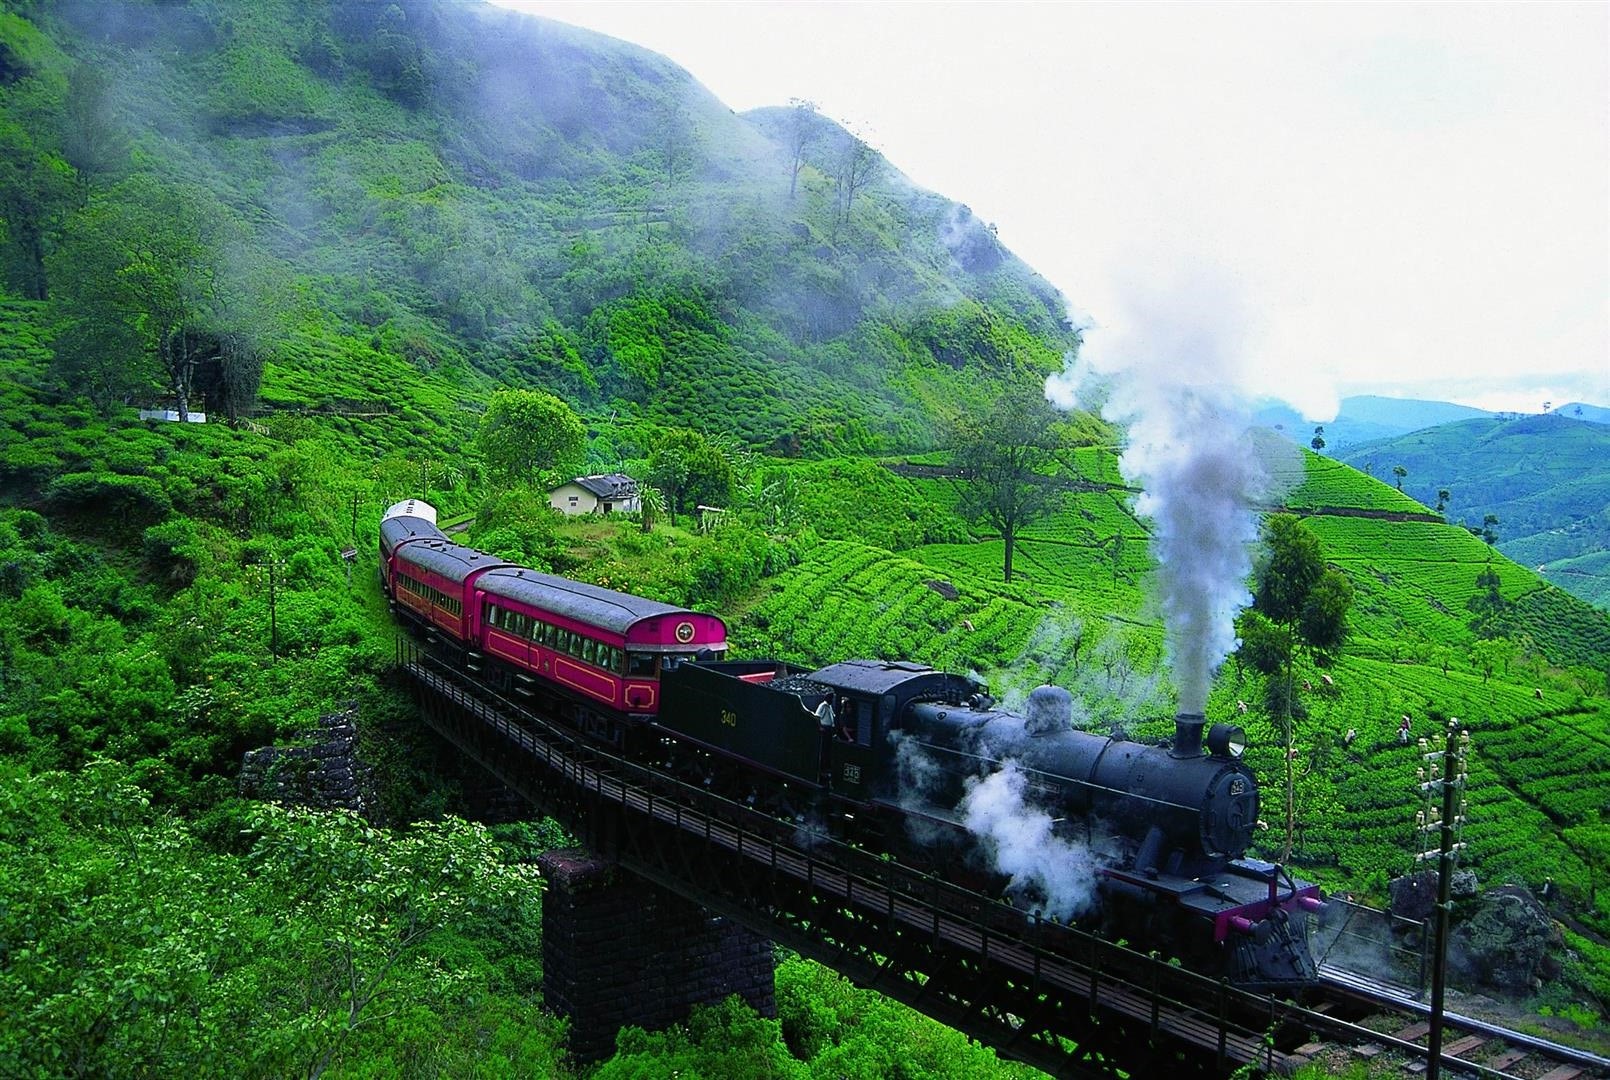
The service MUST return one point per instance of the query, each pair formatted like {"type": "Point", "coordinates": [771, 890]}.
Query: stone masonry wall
{"type": "Point", "coordinates": [618, 951]}
{"type": "Point", "coordinates": [324, 773]}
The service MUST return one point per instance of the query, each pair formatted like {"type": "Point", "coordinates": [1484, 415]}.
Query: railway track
{"type": "Point", "coordinates": [1471, 1047]}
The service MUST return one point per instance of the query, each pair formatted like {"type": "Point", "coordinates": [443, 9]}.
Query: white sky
{"type": "Point", "coordinates": [1395, 198]}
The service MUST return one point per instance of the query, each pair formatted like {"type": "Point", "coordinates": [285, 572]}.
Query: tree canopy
{"type": "Point", "coordinates": [1298, 603]}
{"type": "Point", "coordinates": [148, 282]}
{"type": "Point", "coordinates": [530, 436]}
{"type": "Point", "coordinates": [690, 470]}
{"type": "Point", "coordinates": [1004, 453]}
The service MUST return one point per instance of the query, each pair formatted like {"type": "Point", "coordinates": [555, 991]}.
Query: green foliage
{"type": "Point", "coordinates": [530, 436]}
{"type": "Point", "coordinates": [719, 1042]}
{"type": "Point", "coordinates": [112, 500]}
{"type": "Point", "coordinates": [518, 525]}
{"type": "Point", "coordinates": [408, 252]}
{"type": "Point", "coordinates": [970, 335]}
{"type": "Point", "coordinates": [691, 471]}
{"type": "Point", "coordinates": [1004, 456]}
{"type": "Point", "coordinates": [309, 942]}
{"type": "Point", "coordinates": [842, 1031]}
{"type": "Point", "coordinates": [140, 283]}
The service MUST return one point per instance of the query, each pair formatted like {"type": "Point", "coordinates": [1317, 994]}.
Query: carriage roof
{"type": "Point", "coordinates": [604, 608]}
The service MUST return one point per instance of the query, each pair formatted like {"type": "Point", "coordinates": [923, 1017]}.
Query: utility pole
{"type": "Point", "coordinates": [1444, 774]}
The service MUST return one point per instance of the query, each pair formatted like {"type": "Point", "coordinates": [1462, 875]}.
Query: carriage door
{"type": "Point", "coordinates": [852, 746]}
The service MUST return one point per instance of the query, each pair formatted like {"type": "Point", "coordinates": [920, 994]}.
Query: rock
{"type": "Point", "coordinates": [1505, 942]}
{"type": "Point", "coordinates": [1414, 896]}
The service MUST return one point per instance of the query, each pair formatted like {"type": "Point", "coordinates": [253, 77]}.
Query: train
{"type": "Point", "coordinates": [890, 755]}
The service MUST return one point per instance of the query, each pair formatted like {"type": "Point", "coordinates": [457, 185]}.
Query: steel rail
{"type": "Point", "coordinates": [1362, 986]}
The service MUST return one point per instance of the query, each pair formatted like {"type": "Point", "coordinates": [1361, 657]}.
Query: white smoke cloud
{"type": "Point", "coordinates": [1047, 873]}
{"type": "Point", "coordinates": [1170, 377]}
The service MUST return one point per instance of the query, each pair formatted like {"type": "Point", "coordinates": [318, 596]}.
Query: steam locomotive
{"type": "Point", "coordinates": [895, 755]}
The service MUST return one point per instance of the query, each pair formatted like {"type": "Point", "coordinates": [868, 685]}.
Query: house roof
{"type": "Point", "coordinates": [608, 485]}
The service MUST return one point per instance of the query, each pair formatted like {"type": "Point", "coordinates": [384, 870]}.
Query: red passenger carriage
{"type": "Point", "coordinates": [531, 630]}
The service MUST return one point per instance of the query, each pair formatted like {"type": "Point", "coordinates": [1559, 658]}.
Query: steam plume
{"type": "Point", "coordinates": [1048, 873]}
{"type": "Point", "coordinates": [1171, 382]}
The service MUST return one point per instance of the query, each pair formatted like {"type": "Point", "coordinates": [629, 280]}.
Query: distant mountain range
{"type": "Point", "coordinates": [1545, 477]}
{"type": "Point", "coordinates": [1368, 418]}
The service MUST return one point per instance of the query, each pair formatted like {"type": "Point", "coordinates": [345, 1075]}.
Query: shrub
{"type": "Point", "coordinates": [131, 500]}
{"type": "Point", "coordinates": [173, 550]}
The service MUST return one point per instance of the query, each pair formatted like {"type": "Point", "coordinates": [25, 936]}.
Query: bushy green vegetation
{"type": "Point", "coordinates": [425, 222]}
{"type": "Point", "coordinates": [337, 198]}
{"type": "Point", "coordinates": [257, 941]}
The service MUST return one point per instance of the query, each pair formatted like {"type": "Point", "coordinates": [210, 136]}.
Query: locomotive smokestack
{"type": "Point", "coordinates": [1188, 735]}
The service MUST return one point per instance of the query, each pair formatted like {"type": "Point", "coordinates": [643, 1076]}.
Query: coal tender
{"type": "Point", "coordinates": [889, 752]}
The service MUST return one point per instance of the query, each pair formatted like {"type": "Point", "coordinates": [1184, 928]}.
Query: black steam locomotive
{"type": "Point", "coordinates": [896, 753]}
{"type": "Point", "coordinates": [1146, 843]}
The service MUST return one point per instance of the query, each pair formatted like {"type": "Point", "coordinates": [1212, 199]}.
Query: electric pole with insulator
{"type": "Point", "coordinates": [1442, 785]}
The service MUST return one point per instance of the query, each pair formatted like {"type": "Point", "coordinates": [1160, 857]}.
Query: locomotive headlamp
{"type": "Point", "coordinates": [1227, 740]}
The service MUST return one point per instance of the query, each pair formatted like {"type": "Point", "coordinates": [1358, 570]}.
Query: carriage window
{"type": "Point", "coordinates": [640, 664]}
{"type": "Point", "coordinates": [550, 634]}
{"type": "Point", "coordinates": [588, 650]}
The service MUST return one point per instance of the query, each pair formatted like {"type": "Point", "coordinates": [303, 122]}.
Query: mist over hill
{"type": "Point", "coordinates": [484, 195]}
{"type": "Point", "coordinates": [359, 220]}
{"type": "Point", "coordinates": [1365, 418]}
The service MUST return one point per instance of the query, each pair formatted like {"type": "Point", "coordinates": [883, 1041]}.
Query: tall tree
{"type": "Point", "coordinates": [530, 436]}
{"type": "Point", "coordinates": [1004, 452]}
{"type": "Point", "coordinates": [159, 264]}
{"type": "Point", "coordinates": [1298, 605]}
{"type": "Point", "coordinates": [858, 167]}
{"type": "Point", "coordinates": [804, 127]}
{"type": "Point", "coordinates": [691, 470]}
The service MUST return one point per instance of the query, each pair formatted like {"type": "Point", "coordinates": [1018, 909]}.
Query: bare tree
{"type": "Point", "coordinates": [804, 127]}
{"type": "Point", "coordinates": [858, 167]}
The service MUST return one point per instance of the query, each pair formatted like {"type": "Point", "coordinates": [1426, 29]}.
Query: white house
{"type": "Point", "coordinates": [604, 494]}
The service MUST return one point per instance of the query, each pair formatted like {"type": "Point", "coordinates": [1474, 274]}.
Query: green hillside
{"type": "Point", "coordinates": [481, 195]}
{"type": "Point", "coordinates": [1079, 615]}
{"type": "Point", "coordinates": [1546, 479]}
{"type": "Point", "coordinates": [400, 209]}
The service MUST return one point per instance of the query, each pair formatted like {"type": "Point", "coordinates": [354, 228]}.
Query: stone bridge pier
{"type": "Point", "coordinates": [619, 951]}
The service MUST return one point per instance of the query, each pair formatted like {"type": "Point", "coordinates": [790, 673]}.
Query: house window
{"type": "Point", "coordinates": [574, 499]}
